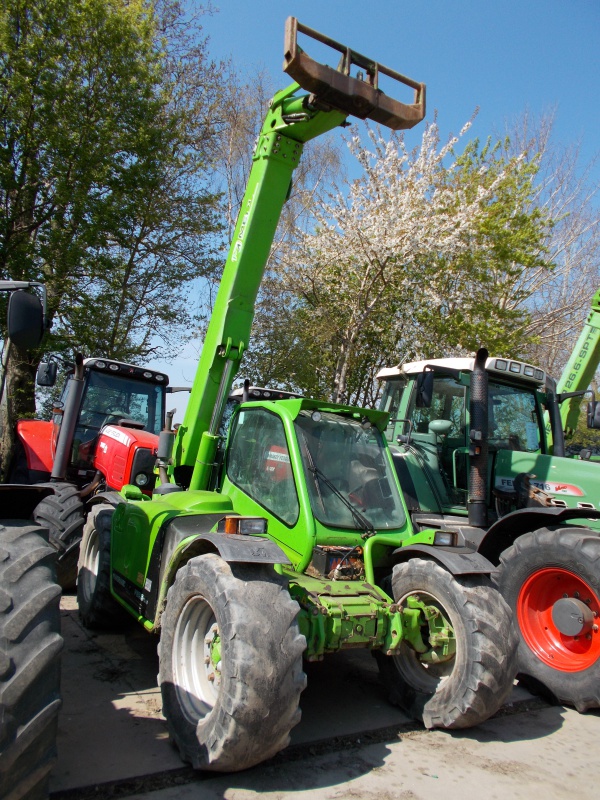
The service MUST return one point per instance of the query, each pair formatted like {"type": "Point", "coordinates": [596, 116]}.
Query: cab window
{"type": "Point", "coordinates": [447, 403]}
{"type": "Point", "coordinates": [258, 462]}
{"type": "Point", "coordinates": [513, 419]}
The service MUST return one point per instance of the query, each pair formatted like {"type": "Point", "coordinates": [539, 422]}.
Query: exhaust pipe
{"type": "Point", "coordinates": [478, 447]}
{"type": "Point", "coordinates": [70, 417]}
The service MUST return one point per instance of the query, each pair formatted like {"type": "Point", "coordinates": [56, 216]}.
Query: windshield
{"type": "Point", "coordinates": [343, 457]}
{"type": "Point", "coordinates": [109, 398]}
{"type": "Point", "coordinates": [513, 419]}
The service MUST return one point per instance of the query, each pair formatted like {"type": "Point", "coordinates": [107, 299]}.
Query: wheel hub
{"type": "Point", "coordinates": [572, 617]}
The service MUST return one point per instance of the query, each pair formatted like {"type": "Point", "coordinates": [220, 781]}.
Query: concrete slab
{"type": "Point", "coordinates": [111, 727]}
{"type": "Point", "coordinates": [549, 753]}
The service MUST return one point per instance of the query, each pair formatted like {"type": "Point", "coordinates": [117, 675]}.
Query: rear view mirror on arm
{"type": "Point", "coordinates": [25, 320]}
{"type": "Point", "coordinates": [593, 415]}
{"type": "Point", "coordinates": [46, 373]}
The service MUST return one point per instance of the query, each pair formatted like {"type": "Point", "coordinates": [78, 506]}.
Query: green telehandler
{"type": "Point", "coordinates": [291, 539]}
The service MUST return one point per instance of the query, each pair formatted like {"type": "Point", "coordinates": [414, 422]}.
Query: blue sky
{"type": "Point", "coordinates": [503, 57]}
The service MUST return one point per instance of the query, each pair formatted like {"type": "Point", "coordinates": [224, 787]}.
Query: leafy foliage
{"type": "Point", "coordinates": [411, 259]}
{"type": "Point", "coordinates": [109, 115]}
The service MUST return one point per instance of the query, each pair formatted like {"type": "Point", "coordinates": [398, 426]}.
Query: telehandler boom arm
{"type": "Point", "coordinates": [292, 120]}
{"type": "Point", "coordinates": [580, 368]}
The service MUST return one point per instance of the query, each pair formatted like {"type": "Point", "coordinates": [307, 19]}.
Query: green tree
{"type": "Point", "coordinates": [483, 291]}
{"type": "Point", "coordinates": [110, 112]}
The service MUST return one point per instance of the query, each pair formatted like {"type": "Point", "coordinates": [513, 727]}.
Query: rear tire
{"type": "Point", "coordinates": [30, 646]}
{"type": "Point", "coordinates": [541, 568]}
{"type": "Point", "coordinates": [471, 684]}
{"type": "Point", "coordinates": [230, 658]}
{"type": "Point", "coordinates": [63, 514]}
{"type": "Point", "coordinates": [97, 607]}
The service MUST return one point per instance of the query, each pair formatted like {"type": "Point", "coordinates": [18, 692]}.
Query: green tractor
{"type": "Point", "coordinates": [291, 539]}
{"type": "Point", "coordinates": [479, 448]}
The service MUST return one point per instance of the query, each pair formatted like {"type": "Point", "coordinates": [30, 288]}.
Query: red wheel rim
{"type": "Point", "coordinates": [534, 613]}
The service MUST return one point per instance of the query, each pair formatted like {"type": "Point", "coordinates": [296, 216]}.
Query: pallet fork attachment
{"type": "Point", "coordinates": [336, 88]}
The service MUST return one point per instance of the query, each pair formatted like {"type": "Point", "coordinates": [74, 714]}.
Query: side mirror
{"type": "Point", "coordinates": [593, 415]}
{"type": "Point", "coordinates": [424, 389]}
{"type": "Point", "coordinates": [46, 373]}
{"type": "Point", "coordinates": [25, 320]}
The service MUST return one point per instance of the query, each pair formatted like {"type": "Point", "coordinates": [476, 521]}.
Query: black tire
{"type": "Point", "coordinates": [233, 714]}
{"type": "Point", "coordinates": [63, 514]}
{"type": "Point", "coordinates": [476, 679]}
{"type": "Point", "coordinates": [30, 646]}
{"type": "Point", "coordinates": [539, 569]}
{"type": "Point", "coordinates": [97, 607]}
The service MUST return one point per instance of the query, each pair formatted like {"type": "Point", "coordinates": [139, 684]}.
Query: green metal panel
{"type": "Point", "coordinates": [569, 481]}
{"type": "Point", "coordinates": [581, 367]}
{"type": "Point", "coordinates": [136, 526]}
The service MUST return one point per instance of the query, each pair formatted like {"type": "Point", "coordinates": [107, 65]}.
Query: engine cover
{"type": "Point", "coordinates": [126, 455]}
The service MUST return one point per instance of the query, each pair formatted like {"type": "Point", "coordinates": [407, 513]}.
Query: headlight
{"type": "Point", "coordinates": [445, 538]}
{"type": "Point", "coordinates": [141, 479]}
{"type": "Point", "coordinates": [242, 525]}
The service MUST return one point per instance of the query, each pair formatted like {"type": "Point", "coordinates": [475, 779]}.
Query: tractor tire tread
{"type": "Point", "coordinates": [30, 648]}
{"type": "Point", "coordinates": [63, 514]}
{"type": "Point", "coordinates": [263, 677]}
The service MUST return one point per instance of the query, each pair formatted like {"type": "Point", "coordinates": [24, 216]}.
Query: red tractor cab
{"type": "Point", "coordinates": [103, 435]}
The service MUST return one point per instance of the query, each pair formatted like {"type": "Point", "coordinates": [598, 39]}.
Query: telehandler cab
{"type": "Point", "coordinates": [304, 547]}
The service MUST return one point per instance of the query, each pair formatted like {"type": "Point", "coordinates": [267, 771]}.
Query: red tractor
{"type": "Point", "coordinates": [103, 435]}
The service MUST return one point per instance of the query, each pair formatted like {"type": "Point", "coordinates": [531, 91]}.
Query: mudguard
{"type": "Point", "coordinates": [35, 437]}
{"type": "Point", "coordinates": [503, 533]}
{"type": "Point", "coordinates": [112, 498]}
{"type": "Point", "coordinates": [249, 549]}
{"type": "Point", "coordinates": [149, 600]}
{"type": "Point", "coordinates": [462, 562]}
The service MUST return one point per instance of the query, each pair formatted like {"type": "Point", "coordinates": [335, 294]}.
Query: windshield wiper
{"type": "Point", "coordinates": [363, 522]}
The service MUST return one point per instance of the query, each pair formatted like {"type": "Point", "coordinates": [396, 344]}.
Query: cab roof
{"type": "Point", "coordinates": [507, 367]}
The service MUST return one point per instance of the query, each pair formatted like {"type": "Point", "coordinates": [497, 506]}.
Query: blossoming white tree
{"type": "Point", "coordinates": [383, 267]}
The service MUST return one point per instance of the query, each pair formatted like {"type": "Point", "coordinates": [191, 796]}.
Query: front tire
{"type": "Point", "coordinates": [551, 581]}
{"type": "Point", "coordinates": [230, 663]}
{"type": "Point", "coordinates": [466, 681]}
{"type": "Point", "coordinates": [30, 646]}
{"type": "Point", "coordinates": [97, 607]}
{"type": "Point", "coordinates": [63, 514]}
